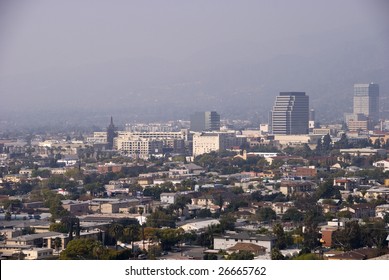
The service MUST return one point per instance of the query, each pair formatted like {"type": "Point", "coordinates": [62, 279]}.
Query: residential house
{"type": "Point", "coordinates": [169, 198]}
{"type": "Point", "coordinates": [377, 192]}
{"type": "Point", "coordinates": [76, 207]}
{"type": "Point", "coordinates": [37, 253]}
{"type": "Point", "coordinates": [345, 183]}
{"type": "Point", "coordinates": [382, 210]}
{"type": "Point", "coordinates": [360, 211]}
{"type": "Point", "coordinates": [199, 225]}
{"type": "Point", "coordinates": [228, 240]}
{"type": "Point", "coordinates": [290, 187]}
{"type": "Point", "coordinates": [358, 254]}
{"type": "Point", "coordinates": [69, 160]}
{"type": "Point", "coordinates": [326, 236]}
{"type": "Point", "coordinates": [247, 247]}
{"type": "Point", "coordinates": [383, 164]}
{"type": "Point", "coordinates": [281, 207]}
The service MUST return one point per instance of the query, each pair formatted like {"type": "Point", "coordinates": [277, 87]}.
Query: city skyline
{"type": "Point", "coordinates": [185, 57]}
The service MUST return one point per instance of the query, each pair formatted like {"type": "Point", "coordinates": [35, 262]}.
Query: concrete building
{"type": "Point", "coordinates": [207, 142]}
{"type": "Point", "coordinates": [293, 140]}
{"type": "Point", "coordinates": [76, 207]}
{"type": "Point", "coordinates": [364, 152]}
{"type": "Point", "coordinates": [296, 187]}
{"type": "Point", "coordinates": [109, 167]}
{"type": "Point", "coordinates": [169, 198]}
{"type": "Point", "coordinates": [171, 140]}
{"type": "Point", "coordinates": [199, 225]}
{"type": "Point", "coordinates": [37, 253]}
{"type": "Point", "coordinates": [360, 211]}
{"type": "Point", "coordinates": [118, 206]}
{"type": "Point", "coordinates": [139, 147]}
{"type": "Point", "coordinates": [97, 138]}
{"type": "Point", "coordinates": [290, 114]}
{"type": "Point", "coordinates": [205, 121]}
{"type": "Point", "coordinates": [69, 160]}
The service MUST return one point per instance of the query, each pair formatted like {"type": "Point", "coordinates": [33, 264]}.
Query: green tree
{"type": "Point", "coordinates": [377, 144]}
{"type": "Point", "coordinates": [374, 234]}
{"type": "Point", "coordinates": [227, 222]}
{"type": "Point", "coordinates": [7, 216]}
{"type": "Point", "coordinates": [308, 256]}
{"type": "Point", "coordinates": [181, 202]}
{"type": "Point", "coordinates": [293, 215]}
{"type": "Point", "coordinates": [311, 237]}
{"type": "Point", "coordinates": [319, 145]}
{"type": "Point", "coordinates": [159, 218]}
{"type": "Point", "coordinates": [276, 254]}
{"type": "Point", "coordinates": [241, 255]}
{"type": "Point", "coordinates": [348, 238]}
{"type": "Point", "coordinates": [56, 209]}
{"type": "Point", "coordinates": [116, 231]}
{"type": "Point", "coordinates": [82, 249]}
{"type": "Point", "coordinates": [169, 237]}
{"type": "Point", "coordinates": [327, 142]}
{"type": "Point", "coordinates": [266, 214]}
{"type": "Point", "coordinates": [210, 257]}
{"type": "Point", "coordinates": [59, 227]}
{"type": "Point", "coordinates": [342, 143]}
{"type": "Point", "coordinates": [204, 213]}
{"type": "Point", "coordinates": [131, 233]}
{"type": "Point", "coordinates": [386, 218]}
{"type": "Point", "coordinates": [57, 244]}
{"type": "Point", "coordinates": [278, 231]}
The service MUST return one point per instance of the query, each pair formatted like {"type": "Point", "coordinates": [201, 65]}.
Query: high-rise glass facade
{"type": "Point", "coordinates": [205, 121]}
{"type": "Point", "coordinates": [290, 114]}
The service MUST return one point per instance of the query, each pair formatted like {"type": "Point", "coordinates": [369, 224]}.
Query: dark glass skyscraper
{"type": "Point", "coordinates": [205, 121]}
{"type": "Point", "coordinates": [290, 114]}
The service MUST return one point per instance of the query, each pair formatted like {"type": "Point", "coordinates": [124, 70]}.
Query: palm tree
{"type": "Point", "coordinates": [116, 230]}
{"type": "Point", "coordinates": [57, 244]}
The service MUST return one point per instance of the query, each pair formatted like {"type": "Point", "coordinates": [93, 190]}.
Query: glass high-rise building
{"type": "Point", "coordinates": [290, 114]}
{"type": "Point", "coordinates": [366, 100]}
{"type": "Point", "coordinates": [205, 121]}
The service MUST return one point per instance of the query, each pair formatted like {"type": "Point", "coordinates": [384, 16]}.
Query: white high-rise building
{"type": "Point", "coordinates": [366, 100]}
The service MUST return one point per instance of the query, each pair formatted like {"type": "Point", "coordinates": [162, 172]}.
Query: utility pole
{"type": "Point", "coordinates": [140, 211]}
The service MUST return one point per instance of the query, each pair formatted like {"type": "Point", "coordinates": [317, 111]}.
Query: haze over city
{"type": "Point", "coordinates": [194, 130]}
{"type": "Point", "coordinates": [79, 62]}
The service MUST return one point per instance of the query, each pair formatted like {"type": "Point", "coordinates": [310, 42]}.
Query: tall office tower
{"type": "Point", "coordinates": [366, 100]}
{"type": "Point", "coordinates": [205, 121]}
{"type": "Point", "coordinates": [290, 114]}
{"type": "Point", "coordinates": [111, 133]}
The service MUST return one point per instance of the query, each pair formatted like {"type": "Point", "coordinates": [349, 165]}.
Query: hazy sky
{"type": "Point", "coordinates": [42, 37]}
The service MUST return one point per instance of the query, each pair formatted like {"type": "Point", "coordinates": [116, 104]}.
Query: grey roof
{"type": "Point", "coordinates": [193, 166]}
{"type": "Point", "coordinates": [30, 237]}
{"type": "Point", "coordinates": [23, 223]}
{"type": "Point", "coordinates": [169, 194]}
{"type": "Point", "coordinates": [246, 236]}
